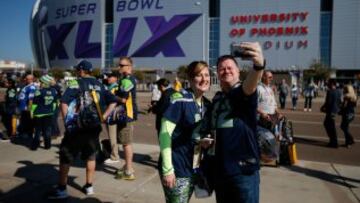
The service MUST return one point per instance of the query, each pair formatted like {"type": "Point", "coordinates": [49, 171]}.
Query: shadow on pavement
{"type": "Point", "coordinates": [311, 142]}
{"type": "Point", "coordinates": [145, 159]}
{"type": "Point", "coordinates": [22, 140]}
{"type": "Point", "coordinates": [340, 180]}
{"type": "Point", "coordinates": [38, 180]}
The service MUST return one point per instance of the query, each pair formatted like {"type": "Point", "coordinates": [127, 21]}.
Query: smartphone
{"type": "Point", "coordinates": [208, 139]}
{"type": "Point", "coordinates": [239, 52]}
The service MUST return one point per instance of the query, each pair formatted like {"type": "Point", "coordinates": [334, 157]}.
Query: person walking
{"type": "Point", "coordinates": [125, 132]}
{"type": "Point", "coordinates": [82, 126]}
{"type": "Point", "coordinates": [347, 112]}
{"type": "Point", "coordinates": [331, 108]}
{"type": "Point", "coordinates": [42, 111]}
{"type": "Point", "coordinates": [309, 93]}
{"type": "Point", "coordinates": [294, 96]}
{"type": "Point", "coordinates": [179, 121]}
{"type": "Point", "coordinates": [234, 116]}
{"type": "Point", "coordinates": [283, 92]}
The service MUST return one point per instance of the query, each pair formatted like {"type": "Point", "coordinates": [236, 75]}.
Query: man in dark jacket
{"type": "Point", "coordinates": [237, 157]}
{"type": "Point", "coordinates": [331, 108]}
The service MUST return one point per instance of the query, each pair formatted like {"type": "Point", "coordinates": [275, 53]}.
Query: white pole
{"type": "Point", "coordinates": [44, 48]}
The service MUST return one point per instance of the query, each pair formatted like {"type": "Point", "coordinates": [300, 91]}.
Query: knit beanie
{"type": "Point", "coordinates": [46, 80]}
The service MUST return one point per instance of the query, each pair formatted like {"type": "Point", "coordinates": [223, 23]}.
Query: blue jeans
{"type": "Point", "coordinates": [282, 99]}
{"type": "Point", "coordinates": [307, 102]}
{"type": "Point", "coordinates": [345, 122]}
{"type": "Point", "coordinates": [294, 101]}
{"type": "Point", "coordinates": [238, 189]}
{"type": "Point", "coordinates": [329, 124]}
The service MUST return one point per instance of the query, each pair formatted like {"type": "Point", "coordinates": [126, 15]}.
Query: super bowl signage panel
{"type": "Point", "coordinates": [288, 31]}
{"type": "Point", "coordinates": [73, 31]}
{"type": "Point", "coordinates": [161, 33]}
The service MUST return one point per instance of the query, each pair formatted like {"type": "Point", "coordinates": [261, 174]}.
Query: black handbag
{"type": "Point", "coordinates": [204, 176]}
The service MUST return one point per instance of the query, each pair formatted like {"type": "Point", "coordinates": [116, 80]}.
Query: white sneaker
{"type": "Point", "coordinates": [110, 161]}
{"type": "Point", "coordinates": [305, 109]}
{"type": "Point", "coordinates": [309, 110]}
{"type": "Point", "coordinates": [88, 190]}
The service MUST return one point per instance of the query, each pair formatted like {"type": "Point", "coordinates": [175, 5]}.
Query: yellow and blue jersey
{"type": "Point", "coordinates": [127, 90]}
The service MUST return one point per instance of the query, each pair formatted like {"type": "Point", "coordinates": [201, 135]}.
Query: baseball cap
{"type": "Point", "coordinates": [84, 65]}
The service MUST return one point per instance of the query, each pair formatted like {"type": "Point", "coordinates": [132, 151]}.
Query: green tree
{"type": "Point", "coordinates": [96, 72]}
{"type": "Point", "coordinates": [181, 72]}
{"type": "Point", "coordinates": [37, 73]}
{"type": "Point", "coordinates": [139, 75]}
{"type": "Point", "coordinates": [317, 71]}
{"type": "Point", "coordinates": [57, 72]}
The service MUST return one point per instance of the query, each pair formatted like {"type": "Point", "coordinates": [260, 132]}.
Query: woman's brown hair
{"type": "Point", "coordinates": [195, 68]}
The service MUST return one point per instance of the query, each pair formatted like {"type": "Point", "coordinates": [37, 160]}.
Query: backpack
{"type": "Point", "coordinates": [88, 116]}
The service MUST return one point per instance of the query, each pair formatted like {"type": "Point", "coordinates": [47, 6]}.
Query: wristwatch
{"type": "Point", "coordinates": [258, 68]}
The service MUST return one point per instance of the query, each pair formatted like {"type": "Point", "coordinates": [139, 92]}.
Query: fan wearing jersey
{"type": "Point", "coordinates": [176, 139]}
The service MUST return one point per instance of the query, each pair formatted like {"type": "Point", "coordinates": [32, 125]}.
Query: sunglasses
{"type": "Point", "coordinates": [122, 65]}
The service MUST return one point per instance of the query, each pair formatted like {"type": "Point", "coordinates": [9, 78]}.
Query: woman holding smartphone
{"type": "Point", "coordinates": [176, 137]}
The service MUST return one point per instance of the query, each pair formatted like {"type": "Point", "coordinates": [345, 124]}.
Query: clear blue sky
{"type": "Point", "coordinates": [14, 28]}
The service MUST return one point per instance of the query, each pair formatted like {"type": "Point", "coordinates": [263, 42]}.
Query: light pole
{"type": "Point", "coordinates": [205, 31]}
{"type": "Point", "coordinates": [32, 68]}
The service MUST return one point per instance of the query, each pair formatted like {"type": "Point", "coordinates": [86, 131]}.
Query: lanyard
{"type": "Point", "coordinates": [200, 107]}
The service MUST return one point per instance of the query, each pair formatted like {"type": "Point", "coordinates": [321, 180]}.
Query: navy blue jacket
{"type": "Point", "coordinates": [234, 120]}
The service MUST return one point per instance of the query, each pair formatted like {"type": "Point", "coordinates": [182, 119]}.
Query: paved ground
{"type": "Point", "coordinates": [322, 174]}
{"type": "Point", "coordinates": [310, 134]}
{"type": "Point", "coordinates": [26, 177]}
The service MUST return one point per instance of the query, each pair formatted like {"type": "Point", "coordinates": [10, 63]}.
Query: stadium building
{"type": "Point", "coordinates": [164, 34]}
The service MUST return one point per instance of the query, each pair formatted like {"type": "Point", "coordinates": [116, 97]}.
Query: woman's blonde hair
{"type": "Point", "coordinates": [349, 93]}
